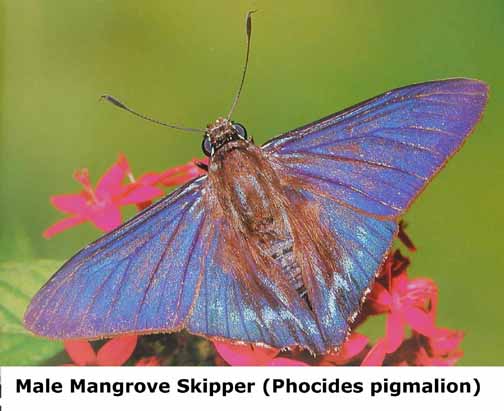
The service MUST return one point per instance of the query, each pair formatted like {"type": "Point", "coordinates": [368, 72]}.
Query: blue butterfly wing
{"type": "Point", "coordinates": [141, 277]}
{"type": "Point", "coordinates": [378, 155]}
{"type": "Point", "coordinates": [362, 243]}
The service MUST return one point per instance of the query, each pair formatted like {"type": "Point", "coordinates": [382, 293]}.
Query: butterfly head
{"type": "Point", "coordinates": [221, 132]}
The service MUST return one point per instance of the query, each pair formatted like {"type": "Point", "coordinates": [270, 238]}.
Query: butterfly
{"type": "Point", "coordinates": [277, 244]}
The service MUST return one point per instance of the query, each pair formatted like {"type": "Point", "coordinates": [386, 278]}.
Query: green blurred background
{"type": "Point", "coordinates": [181, 62]}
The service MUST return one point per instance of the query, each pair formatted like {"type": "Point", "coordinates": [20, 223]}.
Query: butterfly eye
{"type": "Point", "coordinates": [240, 130]}
{"type": "Point", "coordinates": [206, 146]}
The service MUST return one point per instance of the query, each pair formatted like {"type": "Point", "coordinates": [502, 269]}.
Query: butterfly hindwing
{"type": "Point", "coordinates": [378, 155]}
{"type": "Point", "coordinates": [362, 243]}
{"type": "Point", "coordinates": [227, 308]}
{"type": "Point", "coordinates": [141, 277]}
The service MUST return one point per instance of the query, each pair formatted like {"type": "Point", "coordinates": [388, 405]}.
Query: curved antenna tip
{"type": "Point", "coordinates": [113, 100]}
{"type": "Point", "coordinates": [248, 31]}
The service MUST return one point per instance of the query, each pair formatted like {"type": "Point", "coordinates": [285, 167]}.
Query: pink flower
{"type": "Point", "coordinates": [182, 174]}
{"type": "Point", "coordinates": [100, 205]}
{"type": "Point", "coordinates": [171, 177]}
{"type": "Point", "coordinates": [250, 354]}
{"type": "Point", "coordinates": [113, 352]}
{"type": "Point", "coordinates": [406, 302]}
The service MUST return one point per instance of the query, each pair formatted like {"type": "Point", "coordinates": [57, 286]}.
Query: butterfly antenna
{"type": "Point", "coordinates": [249, 34]}
{"type": "Point", "coordinates": [119, 104]}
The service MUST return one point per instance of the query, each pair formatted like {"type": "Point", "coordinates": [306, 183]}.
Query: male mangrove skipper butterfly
{"type": "Point", "coordinates": [276, 245]}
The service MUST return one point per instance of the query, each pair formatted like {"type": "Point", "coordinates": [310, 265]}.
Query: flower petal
{"type": "Point", "coordinates": [110, 182]}
{"type": "Point", "coordinates": [117, 350]}
{"type": "Point", "coordinates": [394, 331]}
{"type": "Point", "coordinates": [445, 340]}
{"type": "Point", "coordinates": [107, 218]}
{"type": "Point", "coordinates": [355, 344]}
{"type": "Point", "coordinates": [183, 169]}
{"type": "Point", "coordinates": [419, 320]}
{"type": "Point", "coordinates": [80, 351]}
{"type": "Point", "coordinates": [149, 179]}
{"type": "Point", "coordinates": [245, 354]}
{"type": "Point", "coordinates": [419, 291]}
{"type": "Point", "coordinates": [178, 180]}
{"type": "Point", "coordinates": [63, 225]}
{"type": "Point", "coordinates": [376, 354]}
{"type": "Point", "coordinates": [140, 194]}
{"type": "Point", "coordinates": [70, 203]}
{"type": "Point", "coordinates": [180, 174]}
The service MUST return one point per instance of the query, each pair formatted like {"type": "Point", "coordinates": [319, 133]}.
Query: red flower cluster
{"type": "Point", "coordinates": [406, 303]}
{"type": "Point", "coordinates": [101, 205]}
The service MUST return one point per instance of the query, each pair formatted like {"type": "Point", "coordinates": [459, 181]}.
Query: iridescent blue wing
{"type": "Point", "coordinates": [261, 312]}
{"type": "Point", "coordinates": [378, 155]}
{"type": "Point", "coordinates": [141, 277]}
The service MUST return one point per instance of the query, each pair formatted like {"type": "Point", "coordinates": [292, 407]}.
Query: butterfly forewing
{"type": "Point", "coordinates": [377, 156]}
{"type": "Point", "coordinates": [141, 277]}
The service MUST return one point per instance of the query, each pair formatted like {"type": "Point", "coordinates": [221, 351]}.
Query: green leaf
{"type": "Point", "coordinates": [19, 281]}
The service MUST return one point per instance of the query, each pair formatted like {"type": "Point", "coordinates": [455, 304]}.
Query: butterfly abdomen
{"type": "Point", "coordinates": [282, 251]}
